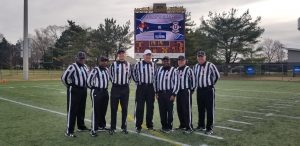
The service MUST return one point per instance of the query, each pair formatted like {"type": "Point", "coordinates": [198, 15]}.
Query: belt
{"type": "Point", "coordinates": [204, 88]}
{"type": "Point", "coordinates": [99, 89]}
{"type": "Point", "coordinates": [117, 85]}
{"type": "Point", "coordinates": [146, 84]}
{"type": "Point", "coordinates": [165, 91]}
{"type": "Point", "coordinates": [78, 87]}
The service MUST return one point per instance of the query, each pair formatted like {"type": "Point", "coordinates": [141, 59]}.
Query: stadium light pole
{"type": "Point", "coordinates": [25, 41]}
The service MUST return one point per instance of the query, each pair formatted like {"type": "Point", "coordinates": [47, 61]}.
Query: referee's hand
{"type": "Point", "coordinates": [156, 96]}
{"type": "Point", "coordinates": [172, 98]}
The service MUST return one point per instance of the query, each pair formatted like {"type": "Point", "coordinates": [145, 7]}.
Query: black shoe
{"type": "Point", "coordinates": [151, 129]}
{"type": "Point", "coordinates": [93, 134]}
{"type": "Point", "coordinates": [124, 131]}
{"type": "Point", "coordinates": [188, 131]}
{"type": "Point", "coordinates": [165, 130]}
{"type": "Point", "coordinates": [111, 132]}
{"type": "Point", "coordinates": [82, 129]}
{"type": "Point", "coordinates": [138, 130]}
{"type": "Point", "coordinates": [179, 128]}
{"type": "Point", "coordinates": [209, 132]}
{"type": "Point", "coordinates": [200, 129]}
{"type": "Point", "coordinates": [102, 129]}
{"type": "Point", "coordinates": [70, 134]}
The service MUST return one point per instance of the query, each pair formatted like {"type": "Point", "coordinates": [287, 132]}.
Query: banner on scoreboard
{"type": "Point", "coordinates": [162, 33]}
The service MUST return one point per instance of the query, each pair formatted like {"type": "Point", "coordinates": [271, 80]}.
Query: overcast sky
{"type": "Point", "coordinates": [279, 17]}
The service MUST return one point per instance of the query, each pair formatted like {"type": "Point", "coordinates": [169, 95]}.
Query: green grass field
{"type": "Point", "coordinates": [33, 113]}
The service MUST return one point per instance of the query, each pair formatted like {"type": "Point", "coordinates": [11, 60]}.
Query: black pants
{"type": "Point", "coordinates": [144, 93]}
{"type": "Point", "coordinates": [119, 94]}
{"type": "Point", "coordinates": [165, 109]}
{"type": "Point", "coordinates": [206, 102]}
{"type": "Point", "coordinates": [76, 100]}
{"type": "Point", "coordinates": [99, 102]}
{"type": "Point", "coordinates": [184, 108]}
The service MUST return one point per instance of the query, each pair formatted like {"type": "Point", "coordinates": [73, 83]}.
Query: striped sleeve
{"type": "Point", "coordinates": [155, 83]}
{"type": "Point", "coordinates": [111, 72]}
{"type": "Point", "coordinates": [215, 73]}
{"type": "Point", "coordinates": [91, 78]}
{"type": "Point", "coordinates": [135, 73]}
{"type": "Point", "coordinates": [67, 74]}
{"type": "Point", "coordinates": [176, 82]}
{"type": "Point", "coordinates": [195, 73]}
{"type": "Point", "coordinates": [192, 79]}
{"type": "Point", "coordinates": [130, 72]}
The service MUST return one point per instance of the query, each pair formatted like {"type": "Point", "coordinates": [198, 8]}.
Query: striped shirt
{"type": "Point", "coordinates": [167, 79]}
{"type": "Point", "coordinates": [75, 75]}
{"type": "Point", "coordinates": [206, 75]}
{"type": "Point", "coordinates": [143, 72]}
{"type": "Point", "coordinates": [186, 78]}
{"type": "Point", "coordinates": [120, 73]}
{"type": "Point", "coordinates": [98, 78]}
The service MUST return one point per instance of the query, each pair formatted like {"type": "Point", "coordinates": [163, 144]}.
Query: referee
{"type": "Point", "coordinates": [120, 74]}
{"type": "Point", "coordinates": [74, 78]}
{"type": "Point", "coordinates": [206, 77]}
{"type": "Point", "coordinates": [166, 86]}
{"type": "Point", "coordinates": [187, 84]}
{"type": "Point", "coordinates": [98, 82]}
{"type": "Point", "coordinates": [143, 75]}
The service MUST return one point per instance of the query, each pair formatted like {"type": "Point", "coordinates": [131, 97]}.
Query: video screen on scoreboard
{"type": "Point", "coordinates": [160, 32]}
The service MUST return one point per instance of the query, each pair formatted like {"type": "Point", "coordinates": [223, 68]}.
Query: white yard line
{"type": "Point", "coordinates": [279, 104]}
{"type": "Point", "coordinates": [211, 136]}
{"type": "Point", "coordinates": [263, 109]}
{"type": "Point", "coordinates": [251, 97]}
{"type": "Point", "coordinates": [241, 122]}
{"type": "Point", "coordinates": [259, 91]}
{"type": "Point", "coordinates": [64, 114]}
{"type": "Point", "coordinates": [251, 117]}
{"type": "Point", "coordinates": [276, 106]}
{"type": "Point", "coordinates": [229, 128]}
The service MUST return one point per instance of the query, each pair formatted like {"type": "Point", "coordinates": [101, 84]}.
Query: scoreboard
{"type": "Point", "coordinates": [162, 33]}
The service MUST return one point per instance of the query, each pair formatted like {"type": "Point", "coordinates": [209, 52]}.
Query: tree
{"type": "Point", "coordinates": [110, 36]}
{"type": "Point", "coordinates": [72, 40]}
{"type": "Point", "coordinates": [232, 34]}
{"type": "Point", "coordinates": [5, 47]}
{"type": "Point", "coordinates": [273, 50]}
{"type": "Point", "coordinates": [42, 40]}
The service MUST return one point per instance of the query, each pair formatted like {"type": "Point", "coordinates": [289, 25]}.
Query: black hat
{"type": "Point", "coordinates": [102, 58]}
{"type": "Point", "coordinates": [81, 55]}
{"type": "Point", "coordinates": [165, 58]}
{"type": "Point", "coordinates": [121, 51]}
{"type": "Point", "coordinates": [201, 53]}
{"type": "Point", "coordinates": [181, 57]}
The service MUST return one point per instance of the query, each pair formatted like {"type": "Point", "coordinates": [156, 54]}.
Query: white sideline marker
{"type": "Point", "coordinates": [211, 136]}
{"type": "Point", "coordinates": [241, 122]}
{"type": "Point", "coordinates": [229, 128]}
{"type": "Point", "coordinates": [250, 117]}
{"type": "Point", "coordinates": [64, 114]}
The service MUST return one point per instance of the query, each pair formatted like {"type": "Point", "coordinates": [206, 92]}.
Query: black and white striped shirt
{"type": "Point", "coordinates": [98, 78]}
{"type": "Point", "coordinates": [166, 79]}
{"type": "Point", "coordinates": [120, 73]}
{"type": "Point", "coordinates": [143, 72]}
{"type": "Point", "coordinates": [75, 75]}
{"type": "Point", "coordinates": [206, 74]}
{"type": "Point", "coordinates": [186, 78]}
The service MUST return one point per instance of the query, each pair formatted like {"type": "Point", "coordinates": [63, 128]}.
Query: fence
{"type": "Point", "coordinates": [272, 71]}
{"type": "Point", "coordinates": [267, 71]}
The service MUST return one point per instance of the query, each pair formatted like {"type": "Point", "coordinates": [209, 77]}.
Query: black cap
{"type": "Point", "coordinates": [201, 53]}
{"type": "Point", "coordinates": [181, 57]}
{"type": "Point", "coordinates": [121, 51]}
{"type": "Point", "coordinates": [81, 55]}
{"type": "Point", "coordinates": [102, 58]}
{"type": "Point", "coordinates": [165, 58]}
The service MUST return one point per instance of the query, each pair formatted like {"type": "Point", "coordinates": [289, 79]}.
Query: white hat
{"type": "Point", "coordinates": [147, 51]}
